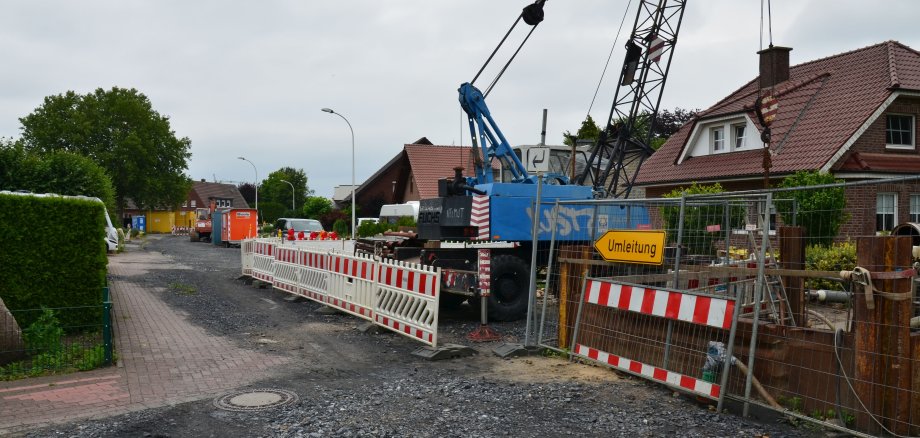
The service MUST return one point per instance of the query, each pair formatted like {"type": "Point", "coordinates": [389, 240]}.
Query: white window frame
{"type": "Point", "coordinates": [915, 208]}
{"type": "Point", "coordinates": [893, 213]}
{"type": "Point", "coordinates": [193, 203]}
{"type": "Point", "coordinates": [912, 131]}
{"type": "Point", "coordinates": [736, 137]}
{"type": "Point", "coordinates": [713, 141]}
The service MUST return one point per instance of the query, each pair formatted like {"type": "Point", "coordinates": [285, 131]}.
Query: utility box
{"type": "Point", "coordinates": [237, 224]}
{"type": "Point", "coordinates": [139, 223]}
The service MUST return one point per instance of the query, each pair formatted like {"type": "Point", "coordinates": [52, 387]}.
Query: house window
{"type": "Point", "coordinates": [738, 131]}
{"type": "Point", "coordinates": [899, 131]}
{"type": "Point", "coordinates": [718, 139]}
{"type": "Point", "coordinates": [193, 203]}
{"type": "Point", "coordinates": [185, 204]}
{"type": "Point", "coordinates": [885, 212]}
{"type": "Point", "coordinates": [915, 208]}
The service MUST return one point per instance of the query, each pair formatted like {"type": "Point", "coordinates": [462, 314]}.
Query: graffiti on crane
{"type": "Point", "coordinates": [569, 220]}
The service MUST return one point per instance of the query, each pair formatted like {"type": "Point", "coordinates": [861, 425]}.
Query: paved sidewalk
{"type": "Point", "coordinates": [163, 359]}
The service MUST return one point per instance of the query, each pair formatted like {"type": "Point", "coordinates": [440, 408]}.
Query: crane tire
{"type": "Point", "coordinates": [510, 288]}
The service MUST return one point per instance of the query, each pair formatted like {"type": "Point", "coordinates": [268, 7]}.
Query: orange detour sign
{"type": "Point", "coordinates": [632, 246]}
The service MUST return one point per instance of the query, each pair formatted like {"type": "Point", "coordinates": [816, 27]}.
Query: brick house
{"type": "Point", "coordinates": [853, 114]}
{"type": "Point", "coordinates": [411, 175]}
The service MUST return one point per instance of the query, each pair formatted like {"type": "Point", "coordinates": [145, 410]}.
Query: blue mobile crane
{"type": "Point", "coordinates": [476, 212]}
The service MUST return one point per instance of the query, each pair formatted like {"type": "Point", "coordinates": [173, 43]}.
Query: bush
{"type": "Point", "coordinates": [836, 257]}
{"type": "Point", "coordinates": [64, 265]}
{"type": "Point", "coordinates": [44, 334]}
{"type": "Point", "coordinates": [820, 212]}
{"type": "Point", "coordinates": [340, 227]}
{"type": "Point", "coordinates": [695, 237]}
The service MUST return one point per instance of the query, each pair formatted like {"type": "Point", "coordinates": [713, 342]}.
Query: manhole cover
{"type": "Point", "coordinates": [255, 400]}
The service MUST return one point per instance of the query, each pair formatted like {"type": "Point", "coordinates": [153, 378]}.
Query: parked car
{"type": "Point", "coordinates": [298, 224]}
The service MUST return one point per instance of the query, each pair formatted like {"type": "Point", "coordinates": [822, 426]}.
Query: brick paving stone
{"type": "Point", "coordinates": [163, 359]}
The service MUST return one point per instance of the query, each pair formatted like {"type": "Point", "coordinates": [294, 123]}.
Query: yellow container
{"type": "Point", "coordinates": [161, 221]}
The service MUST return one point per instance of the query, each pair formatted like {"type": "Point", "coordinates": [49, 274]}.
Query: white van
{"type": "Point", "coordinates": [111, 234]}
{"type": "Point", "coordinates": [390, 213]}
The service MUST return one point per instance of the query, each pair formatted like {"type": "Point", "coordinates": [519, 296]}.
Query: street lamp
{"type": "Point", "coordinates": [330, 111]}
{"type": "Point", "coordinates": [257, 186]}
{"type": "Point", "coordinates": [292, 194]}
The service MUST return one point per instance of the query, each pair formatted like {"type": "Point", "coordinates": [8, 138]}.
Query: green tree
{"type": "Point", "coordinates": [64, 173]}
{"type": "Point", "coordinates": [697, 217]}
{"type": "Point", "coordinates": [315, 207]}
{"type": "Point", "coordinates": [819, 211]}
{"type": "Point", "coordinates": [270, 211]}
{"type": "Point", "coordinates": [273, 188]}
{"type": "Point", "coordinates": [119, 130]}
{"type": "Point", "coordinates": [588, 131]}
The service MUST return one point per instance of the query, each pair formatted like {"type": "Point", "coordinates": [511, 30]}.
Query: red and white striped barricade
{"type": "Point", "coordinates": [644, 337]}
{"type": "Point", "coordinates": [285, 272]}
{"type": "Point", "coordinates": [407, 299]}
{"type": "Point", "coordinates": [263, 258]}
{"type": "Point", "coordinates": [315, 276]}
{"type": "Point", "coordinates": [352, 284]}
{"type": "Point", "coordinates": [246, 256]}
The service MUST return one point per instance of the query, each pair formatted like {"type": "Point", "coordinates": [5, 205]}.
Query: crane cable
{"type": "Point", "coordinates": [609, 56]}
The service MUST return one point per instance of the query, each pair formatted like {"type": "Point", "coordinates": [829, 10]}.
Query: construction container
{"type": "Point", "coordinates": [237, 224]}
{"type": "Point", "coordinates": [161, 221]}
{"type": "Point", "coordinates": [216, 220]}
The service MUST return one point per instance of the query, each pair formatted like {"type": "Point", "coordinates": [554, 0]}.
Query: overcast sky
{"type": "Point", "coordinates": [249, 78]}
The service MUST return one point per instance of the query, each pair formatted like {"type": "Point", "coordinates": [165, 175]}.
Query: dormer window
{"type": "Point", "coordinates": [738, 133]}
{"type": "Point", "coordinates": [717, 135]}
{"type": "Point", "coordinates": [899, 131]}
{"type": "Point", "coordinates": [722, 135]}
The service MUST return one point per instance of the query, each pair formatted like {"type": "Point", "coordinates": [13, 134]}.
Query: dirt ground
{"type": "Point", "coordinates": [352, 383]}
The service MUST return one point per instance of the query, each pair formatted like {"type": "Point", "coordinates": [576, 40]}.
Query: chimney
{"type": "Point", "coordinates": [202, 179]}
{"type": "Point", "coordinates": [774, 65]}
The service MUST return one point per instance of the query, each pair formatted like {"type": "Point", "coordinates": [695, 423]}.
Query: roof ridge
{"type": "Point", "coordinates": [848, 52]}
{"type": "Point", "coordinates": [892, 65]}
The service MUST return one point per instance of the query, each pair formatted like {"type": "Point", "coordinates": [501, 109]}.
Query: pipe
{"type": "Point", "coordinates": [823, 318]}
{"type": "Point", "coordinates": [829, 296]}
{"type": "Point", "coordinates": [757, 386]}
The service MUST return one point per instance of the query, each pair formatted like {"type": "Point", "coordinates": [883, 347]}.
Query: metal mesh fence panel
{"type": "Point", "coordinates": [820, 285]}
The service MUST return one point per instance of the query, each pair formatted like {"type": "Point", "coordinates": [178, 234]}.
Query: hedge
{"type": "Point", "coordinates": [52, 254]}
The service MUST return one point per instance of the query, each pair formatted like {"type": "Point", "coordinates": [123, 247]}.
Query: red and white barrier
{"type": "Point", "coordinates": [400, 296]}
{"type": "Point", "coordinates": [353, 284]}
{"type": "Point", "coordinates": [263, 258]}
{"type": "Point", "coordinates": [698, 309]}
{"type": "Point", "coordinates": [246, 253]}
{"type": "Point", "coordinates": [667, 304]}
{"type": "Point", "coordinates": [407, 300]}
{"type": "Point", "coordinates": [661, 375]}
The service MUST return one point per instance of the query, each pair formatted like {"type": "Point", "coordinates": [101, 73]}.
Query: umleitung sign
{"type": "Point", "coordinates": [632, 246]}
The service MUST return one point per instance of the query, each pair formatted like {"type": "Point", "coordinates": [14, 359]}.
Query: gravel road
{"type": "Point", "coordinates": [354, 384]}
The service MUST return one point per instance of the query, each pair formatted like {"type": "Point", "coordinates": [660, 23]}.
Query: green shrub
{"type": "Point", "coordinates": [340, 227]}
{"type": "Point", "coordinates": [45, 333]}
{"type": "Point", "coordinates": [839, 256]}
{"type": "Point", "coordinates": [820, 212]}
{"type": "Point", "coordinates": [53, 255]}
{"type": "Point", "coordinates": [696, 218]}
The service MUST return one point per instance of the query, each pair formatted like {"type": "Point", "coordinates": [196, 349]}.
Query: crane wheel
{"type": "Point", "coordinates": [510, 288]}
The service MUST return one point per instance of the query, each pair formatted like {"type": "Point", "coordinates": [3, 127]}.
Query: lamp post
{"type": "Point", "coordinates": [257, 186]}
{"type": "Point", "coordinates": [292, 194]}
{"type": "Point", "coordinates": [330, 111]}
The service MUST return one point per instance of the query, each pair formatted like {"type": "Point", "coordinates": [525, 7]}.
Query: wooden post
{"type": "Point", "coordinates": [882, 372]}
{"type": "Point", "coordinates": [792, 256]}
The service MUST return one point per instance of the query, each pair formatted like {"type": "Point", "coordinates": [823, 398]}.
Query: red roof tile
{"type": "Point", "coordinates": [430, 163]}
{"type": "Point", "coordinates": [867, 162]}
{"type": "Point", "coordinates": [821, 106]}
